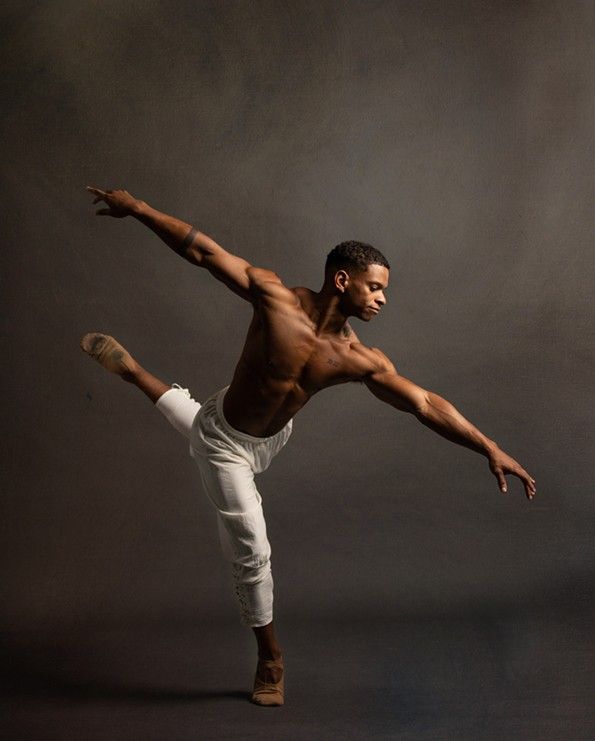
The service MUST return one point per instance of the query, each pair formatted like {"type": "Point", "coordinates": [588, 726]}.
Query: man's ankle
{"type": "Point", "coordinates": [273, 655]}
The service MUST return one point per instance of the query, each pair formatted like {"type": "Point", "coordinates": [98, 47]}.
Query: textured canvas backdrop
{"type": "Point", "coordinates": [455, 137]}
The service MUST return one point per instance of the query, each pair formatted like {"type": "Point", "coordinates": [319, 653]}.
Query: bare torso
{"type": "Point", "coordinates": [286, 360]}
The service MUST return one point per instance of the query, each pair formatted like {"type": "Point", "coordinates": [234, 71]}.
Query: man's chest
{"type": "Point", "coordinates": [332, 362]}
{"type": "Point", "coordinates": [293, 351]}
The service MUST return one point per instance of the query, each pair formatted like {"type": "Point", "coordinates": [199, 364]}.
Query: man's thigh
{"type": "Point", "coordinates": [232, 490]}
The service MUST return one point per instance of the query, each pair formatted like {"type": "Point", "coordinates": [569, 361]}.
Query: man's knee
{"type": "Point", "coordinates": [254, 570]}
{"type": "Point", "coordinates": [179, 408]}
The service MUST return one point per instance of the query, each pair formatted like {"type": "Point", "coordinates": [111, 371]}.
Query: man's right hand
{"type": "Point", "coordinates": [120, 203]}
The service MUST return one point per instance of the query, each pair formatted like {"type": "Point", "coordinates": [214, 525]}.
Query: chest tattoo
{"type": "Point", "coordinates": [334, 363]}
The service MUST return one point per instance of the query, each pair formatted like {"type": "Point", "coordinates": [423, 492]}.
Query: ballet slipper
{"type": "Point", "coordinates": [268, 693]}
{"type": "Point", "coordinates": [108, 353]}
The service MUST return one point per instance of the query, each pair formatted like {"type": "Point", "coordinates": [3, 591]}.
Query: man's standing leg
{"type": "Point", "coordinates": [228, 480]}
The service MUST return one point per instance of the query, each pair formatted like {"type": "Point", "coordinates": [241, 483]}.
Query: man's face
{"type": "Point", "coordinates": [364, 292]}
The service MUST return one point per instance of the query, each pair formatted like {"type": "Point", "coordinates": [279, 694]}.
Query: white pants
{"type": "Point", "coordinates": [227, 460]}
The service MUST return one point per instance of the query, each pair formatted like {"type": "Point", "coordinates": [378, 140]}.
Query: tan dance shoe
{"type": "Point", "coordinates": [108, 352]}
{"type": "Point", "coordinates": [268, 693]}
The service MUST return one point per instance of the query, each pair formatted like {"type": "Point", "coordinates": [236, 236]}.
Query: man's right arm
{"type": "Point", "coordinates": [182, 238]}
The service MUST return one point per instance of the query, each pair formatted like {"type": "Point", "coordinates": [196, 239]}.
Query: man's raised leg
{"type": "Point", "coordinates": [174, 402]}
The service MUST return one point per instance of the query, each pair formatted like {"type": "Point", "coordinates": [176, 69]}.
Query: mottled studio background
{"type": "Point", "coordinates": [454, 136]}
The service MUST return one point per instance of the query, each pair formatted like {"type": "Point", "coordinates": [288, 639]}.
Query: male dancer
{"type": "Point", "coordinates": [299, 342]}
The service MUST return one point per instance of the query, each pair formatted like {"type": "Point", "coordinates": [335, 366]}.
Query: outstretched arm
{"type": "Point", "coordinates": [182, 238]}
{"type": "Point", "coordinates": [440, 415]}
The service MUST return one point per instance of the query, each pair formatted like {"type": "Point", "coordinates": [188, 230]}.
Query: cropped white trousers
{"type": "Point", "coordinates": [228, 460]}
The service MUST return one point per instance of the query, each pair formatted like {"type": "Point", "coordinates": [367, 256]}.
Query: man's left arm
{"type": "Point", "coordinates": [441, 416]}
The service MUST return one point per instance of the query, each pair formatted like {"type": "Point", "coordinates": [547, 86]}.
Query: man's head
{"type": "Point", "coordinates": [359, 273]}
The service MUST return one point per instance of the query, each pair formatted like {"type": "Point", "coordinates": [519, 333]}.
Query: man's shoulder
{"type": "Point", "coordinates": [266, 282]}
{"type": "Point", "coordinates": [262, 276]}
{"type": "Point", "coordinates": [304, 296]}
{"type": "Point", "coordinates": [372, 358]}
{"type": "Point", "coordinates": [302, 292]}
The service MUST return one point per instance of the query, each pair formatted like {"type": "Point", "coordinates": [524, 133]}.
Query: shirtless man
{"type": "Point", "coordinates": [299, 342]}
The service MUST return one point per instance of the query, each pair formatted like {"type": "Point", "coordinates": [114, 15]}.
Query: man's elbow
{"type": "Point", "coordinates": [422, 403]}
{"type": "Point", "coordinates": [198, 253]}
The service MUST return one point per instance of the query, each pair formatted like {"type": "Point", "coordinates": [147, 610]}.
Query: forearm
{"type": "Point", "coordinates": [441, 416]}
{"type": "Point", "coordinates": [175, 233]}
{"type": "Point", "coordinates": [186, 241]}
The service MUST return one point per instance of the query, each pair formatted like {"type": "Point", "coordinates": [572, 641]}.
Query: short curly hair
{"type": "Point", "coordinates": [354, 255]}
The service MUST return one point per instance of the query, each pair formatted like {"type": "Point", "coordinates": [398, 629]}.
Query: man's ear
{"type": "Point", "coordinates": [341, 280]}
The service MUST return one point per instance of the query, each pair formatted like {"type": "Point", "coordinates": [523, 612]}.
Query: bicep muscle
{"type": "Point", "coordinates": [388, 386]}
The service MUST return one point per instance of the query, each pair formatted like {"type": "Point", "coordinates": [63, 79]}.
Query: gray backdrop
{"type": "Point", "coordinates": [455, 137]}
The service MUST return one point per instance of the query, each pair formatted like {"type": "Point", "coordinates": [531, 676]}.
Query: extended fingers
{"type": "Point", "coordinates": [530, 487]}
{"type": "Point", "coordinates": [528, 482]}
{"type": "Point", "coordinates": [98, 193]}
{"type": "Point", "coordinates": [501, 480]}
{"type": "Point", "coordinates": [95, 191]}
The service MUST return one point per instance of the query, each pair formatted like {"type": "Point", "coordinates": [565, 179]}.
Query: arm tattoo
{"type": "Point", "coordinates": [188, 239]}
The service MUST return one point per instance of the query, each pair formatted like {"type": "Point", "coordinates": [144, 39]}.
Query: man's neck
{"type": "Point", "coordinates": [326, 314]}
